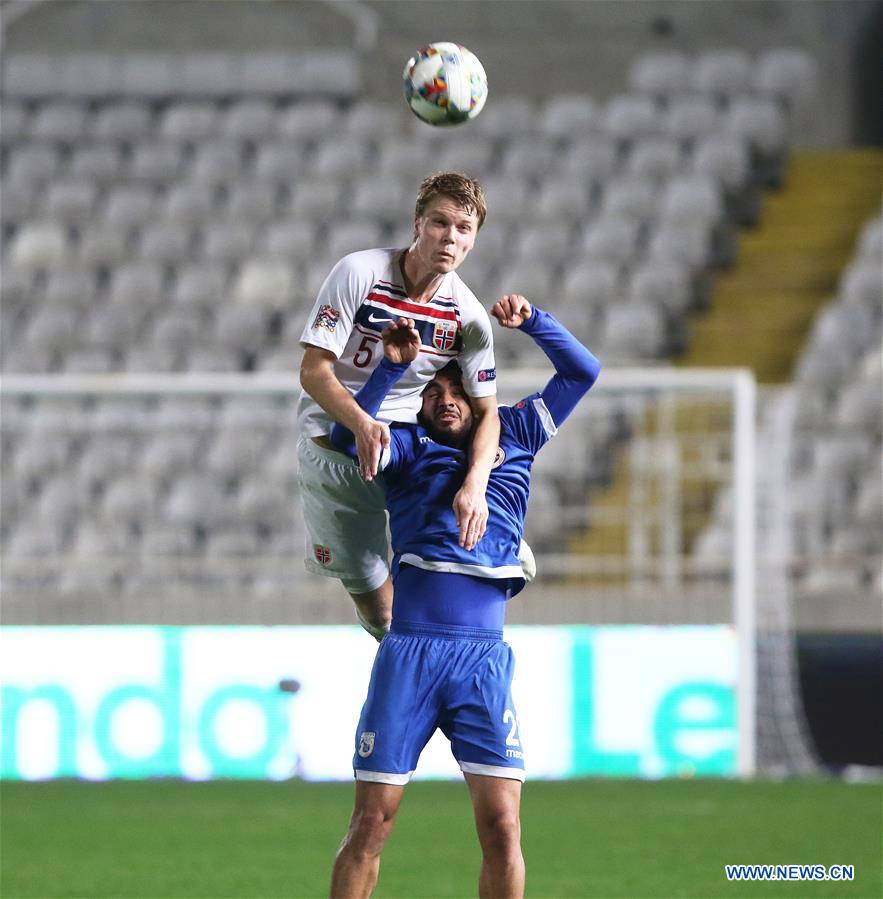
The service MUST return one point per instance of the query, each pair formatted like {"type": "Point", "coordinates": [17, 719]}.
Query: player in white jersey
{"type": "Point", "coordinates": [344, 508]}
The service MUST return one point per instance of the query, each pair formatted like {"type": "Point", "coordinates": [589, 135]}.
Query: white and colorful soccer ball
{"type": "Point", "coordinates": [445, 84]}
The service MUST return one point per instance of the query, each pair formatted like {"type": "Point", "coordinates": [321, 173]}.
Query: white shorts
{"type": "Point", "coordinates": [345, 517]}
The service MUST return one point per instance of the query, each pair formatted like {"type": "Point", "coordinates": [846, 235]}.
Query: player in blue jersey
{"type": "Point", "coordinates": [444, 663]}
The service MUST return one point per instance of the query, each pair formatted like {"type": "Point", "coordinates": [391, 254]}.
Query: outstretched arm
{"type": "Point", "coordinates": [576, 369]}
{"type": "Point", "coordinates": [401, 343]}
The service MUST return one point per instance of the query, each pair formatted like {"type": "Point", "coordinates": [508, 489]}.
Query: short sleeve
{"type": "Point", "coordinates": [331, 318]}
{"type": "Point", "coordinates": [530, 422]}
{"type": "Point", "coordinates": [477, 355]}
{"type": "Point", "coordinates": [402, 450]}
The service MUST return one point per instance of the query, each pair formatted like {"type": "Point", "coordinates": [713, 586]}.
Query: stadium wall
{"type": "Point", "coordinates": [549, 46]}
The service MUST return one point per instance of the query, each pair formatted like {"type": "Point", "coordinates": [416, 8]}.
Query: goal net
{"type": "Point", "coordinates": [172, 500]}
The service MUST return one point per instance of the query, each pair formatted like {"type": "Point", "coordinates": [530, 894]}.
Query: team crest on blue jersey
{"type": "Point", "coordinates": [499, 458]}
{"type": "Point", "coordinates": [327, 318]}
{"type": "Point", "coordinates": [366, 743]}
{"type": "Point", "coordinates": [444, 335]}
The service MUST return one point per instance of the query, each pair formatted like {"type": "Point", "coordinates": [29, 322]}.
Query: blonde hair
{"type": "Point", "coordinates": [462, 189]}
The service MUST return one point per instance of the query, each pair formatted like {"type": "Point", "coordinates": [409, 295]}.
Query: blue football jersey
{"type": "Point", "coordinates": [422, 478]}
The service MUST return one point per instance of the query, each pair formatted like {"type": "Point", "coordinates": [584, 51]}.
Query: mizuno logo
{"type": "Point", "coordinates": [373, 318]}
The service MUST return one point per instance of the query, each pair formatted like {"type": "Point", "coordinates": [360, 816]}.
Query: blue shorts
{"type": "Point", "coordinates": [461, 684]}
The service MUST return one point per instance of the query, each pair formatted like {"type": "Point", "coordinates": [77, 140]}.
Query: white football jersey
{"type": "Point", "coordinates": [365, 291]}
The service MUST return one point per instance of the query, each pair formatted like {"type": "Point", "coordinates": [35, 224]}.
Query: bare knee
{"type": "Point", "coordinates": [499, 832]}
{"type": "Point", "coordinates": [375, 606]}
{"type": "Point", "coordinates": [369, 831]}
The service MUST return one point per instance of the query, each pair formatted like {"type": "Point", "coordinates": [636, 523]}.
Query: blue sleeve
{"type": "Point", "coordinates": [576, 369]}
{"type": "Point", "coordinates": [370, 398]}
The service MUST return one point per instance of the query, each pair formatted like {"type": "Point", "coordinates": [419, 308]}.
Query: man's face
{"type": "Point", "coordinates": [446, 413]}
{"type": "Point", "coordinates": [445, 235]}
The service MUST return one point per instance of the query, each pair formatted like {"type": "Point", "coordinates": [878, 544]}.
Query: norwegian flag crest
{"type": "Point", "coordinates": [444, 335]}
{"type": "Point", "coordinates": [322, 554]}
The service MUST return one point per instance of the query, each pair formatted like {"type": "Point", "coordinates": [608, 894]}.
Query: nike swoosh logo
{"type": "Point", "coordinates": [373, 318]}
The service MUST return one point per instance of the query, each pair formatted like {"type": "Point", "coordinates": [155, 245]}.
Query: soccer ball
{"type": "Point", "coordinates": [445, 84]}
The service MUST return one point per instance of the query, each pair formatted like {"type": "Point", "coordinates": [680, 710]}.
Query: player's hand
{"type": "Point", "coordinates": [512, 310]}
{"type": "Point", "coordinates": [401, 340]}
{"type": "Point", "coordinates": [372, 437]}
{"type": "Point", "coordinates": [470, 509]}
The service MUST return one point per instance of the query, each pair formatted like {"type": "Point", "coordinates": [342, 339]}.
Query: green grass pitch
{"type": "Point", "coordinates": [584, 838]}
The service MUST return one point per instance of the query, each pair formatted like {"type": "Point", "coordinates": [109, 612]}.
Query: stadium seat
{"type": "Point", "coordinates": [260, 502]}
{"type": "Point", "coordinates": [372, 119]}
{"type": "Point", "coordinates": [37, 458]}
{"type": "Point", "coordinates": [60, 501]}
{"type": "Point", "coordinates": [548, 243]}
{"type": "Point", "coordinates": [91, 543]}
{"type": "Point", "coordinates": [318, 200]}
{"type": "Point", "coordinates": [124, 120]}
{"type": "Point", "coordinates": [234, 542]}
{"type": "Point", "coordinates": [529, 160]}
{"type": "Point", "coordinates": [593, 159]}
{"type": "Point", "coordinates": [249, 120]}
{"type": "Point", "coordinates": [592, 284]}
{"type": "Point", "coordinates": [210, 358]}
{"type": "Point", "coordinates": [169, 454]}
{"type": "Point", "coordinates": [309, 120]}
{"type": "Point", "coordinates": [241, 327]}
{"type": "Point", "coordinates": [252, 201]}
{"type": "Point", "coordinates": [151, 359]}
{"type": "Point", "coordinates": [69, 201]}
{"type": "Point", "coordinates": [62, 121]}
{"type": "Point", "coordinates": [139, 282]}
{"type": "Point", "coordinates": [722, 74]}
{"type": "Point", "coordinates": [177, 327]}
{"type": "Point", "coordinates": [71, 284]}
{"type": "Point", "coordinates": [407, 159]}
{"type": "Point", "coordinates": [189, 202]}
{"type": "Point", "coordinates": [871, 239]}
{"type": "Point", "coordinates": [195, 499]}
{"type": "Point", "coordinates": [20, 202]}
{"type": "Point", "coordinates": [282, 161]}
{"type": "Point", "coordinates": [168, 539]}
{"type": "Point", "coordinates": [129, 205]}
{"type": "Point", "coordinates": [352, 235]}
{"type": "Point", "coordinates": [629, 117]}
{"type": "Point", "coordinates": [115, 326]}
{"type": "Point", "coordinates": [339, 159]}
{"type": "Point", "coordinates": [266, 282]}
{"type": "Point", "coordinates": [33, 539]}
{"type": "Point", "coordinates": [565, 116]}
{"type": "Point", "coordinates": [381, 198]}
{"type": "Point", "coordinates": [861, 285]}
{"type": "Point", "coordinates": [507, 115]}
{"type": "Point", "coordinates": [474, 156]}
{"type": "Point", "coordinates": [227, 241]}
{"type": "Point", "coordinates": [561, 199]}
{"type": "Point", "coordinates": [15, 120]}
{"type": "Point", "coordinates": [689, 119]}
{"type": "Point", "coordinates": [660, 74]}
{"type": "Point", "coordinates": [88, 360]}
{"type": "Point", "coordinates": [725, 158]}
{"type": "Point", "coordinates": [217, 162]}
{"type": "Point", "coordinates": [103, 243]}
{"type": "Point", "coordinates": [32, 163]}
{"type": "Point", "coordinates": [157, 162]}
{"type": "Point", "coordinates": [189, 121]}
{"type": "Point", "coordinates": [614, 239]}
{"type": "Point", "coordinates": [858, 409]}
{"type": "Point", "coordinates": [686, 243]}
{"type": "Point", "coordinates": [629, 196]}
{"type": "Point", "coordinates": [507, 199]}
{"type": "Point", "coordinates": [52, 327]}
{"type": "Point", "coordinates": [787, 74]}
{"type": "Point", "coordinates": [233, 454]}
{"type": "Point", "coordinates": [658, 157]}
{"type": "Point", "coordinates": [99, 163]}
{"type": "Point", "coordinates": [634, 330]}
{"type": "Point", "coordinates": [291, 239]}
{"type": "Point", "coordinates": [762, 124]}
{"type": "Point", "coordinates": [662, 282]}
{"type": "Point", "coordinates": [166, 242]}
{"type": "Point", "coordinates": [105, 457]}
{"type": "Point", "coordinates": [692, 198]}
{"type": "Point", "coordinates": [38, 245]}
